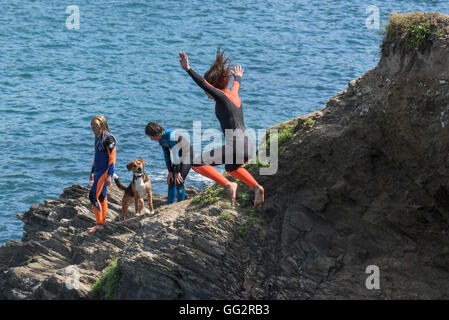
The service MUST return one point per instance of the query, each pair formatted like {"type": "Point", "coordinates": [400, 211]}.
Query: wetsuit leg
{"type": "Point", "coordinates": [240, 154]}
{"type": "Point", "coordinates": [104, 207]}
{"type": "Point", "coordinates": [184, 170]}
{"type": "Point", "coordinates": [97, 197]}
{"type": "Point", "coordinates": [205, 162]}
{"type": "Point", "coordinates": [210, 172]}
{"type": "Point", "coordinates": [181, 193]}
{"type": "Point", "coordinates": [233, 154]}
{"type": "Point", "coordinates": [171, 194]}
{"type": "Point", "coordinates": [243, 175]}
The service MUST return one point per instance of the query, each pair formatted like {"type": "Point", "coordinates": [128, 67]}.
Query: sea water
{"type": "Point", "coordinates": [121, 60]}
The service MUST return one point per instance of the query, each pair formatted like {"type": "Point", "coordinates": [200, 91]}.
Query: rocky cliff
{"type": "Point", "coordinates": [363, 181]}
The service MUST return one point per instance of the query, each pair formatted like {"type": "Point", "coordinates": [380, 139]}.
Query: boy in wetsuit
{"type": "Point", "coordinates": [178, 155]}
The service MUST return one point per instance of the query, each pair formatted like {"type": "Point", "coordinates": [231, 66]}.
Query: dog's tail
{"type": "Point", "coordinates": [117, 182]}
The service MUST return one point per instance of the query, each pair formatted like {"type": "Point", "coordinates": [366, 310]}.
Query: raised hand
{"type": "Point", "coordinates": [238, 71]}
{"type": "Point", "coordinates": [184, 61]}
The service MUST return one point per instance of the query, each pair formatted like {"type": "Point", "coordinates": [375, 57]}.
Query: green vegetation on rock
{"type": "Point", "coordinates": [210, 195]}
{"type": "Point", "coordinates": [286, 131]}
{"type": "Point", "coordinates": [412, 31]}
{"type": "Point", "coordinates": [225, 215]}
{"type": "Point", "coordinates": [257, 164]}
{"type": "Point", "coordinates": [33, 259]}
{"type": "Point", "coordinates": [226, 205]}
{"type": "Point", "coordinates": [250, 214]}
{"type": "Point", "coordinates": [105, 286]}
{"type": "Point", "coordinates": [309, 123]}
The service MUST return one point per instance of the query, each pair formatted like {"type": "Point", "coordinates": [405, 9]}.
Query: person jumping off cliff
{"type": "Point", "coordinates": [228, 110]}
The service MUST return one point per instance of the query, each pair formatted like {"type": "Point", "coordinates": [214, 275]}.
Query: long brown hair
{"type": "Point", "coordinates": [219, 74]}
{"type": "Point", "coordinates": [103, 125]}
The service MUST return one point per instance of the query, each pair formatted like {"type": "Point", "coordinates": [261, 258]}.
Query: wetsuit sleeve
{"type": "Point", "coordinates": [214, 92]}
{"type": "Point", "coordinates": [110, 146]}
{"type": "Point", "coordinates": [174, 140]}
{"type": "Point", "coordinates": [93, 167]}
{"type": "Point", "coordinates": [236, 85]}
{"type": "Point", "coordinates": [174, 152]}
{"type": "Point", "coordinates": [166, 151]}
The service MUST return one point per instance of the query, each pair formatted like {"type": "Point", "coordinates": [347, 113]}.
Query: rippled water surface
{"type": "Point", "coordinates": [122, 62]}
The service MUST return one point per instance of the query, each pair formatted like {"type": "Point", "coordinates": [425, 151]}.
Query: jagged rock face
{"type": "Point", "coordinates": [188, 254]}
{"type": "Point", "coordinates": [56, 238]}
{"type": "Point", "coordinates": [366, 184]}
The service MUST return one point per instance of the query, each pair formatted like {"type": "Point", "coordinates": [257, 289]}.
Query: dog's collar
{"type": "Point", "coordinates": [140, 175]}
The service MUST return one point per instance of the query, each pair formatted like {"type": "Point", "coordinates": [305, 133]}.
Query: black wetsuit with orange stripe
{"type": "Point", "coordinates": [239, 147]}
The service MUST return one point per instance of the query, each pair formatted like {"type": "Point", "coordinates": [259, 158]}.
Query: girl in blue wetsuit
{"type": "Point", "coordinates": [102, 169]}
{"type": "Point", "coordinates": [178, 155]}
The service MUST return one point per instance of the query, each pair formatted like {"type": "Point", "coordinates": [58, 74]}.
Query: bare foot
{"type": "Point", "coordinates": [97, 227]}
{"type": "Point", "coordinates": [231, 188]}
{"type": "Point", "coordinates": [258, 196]}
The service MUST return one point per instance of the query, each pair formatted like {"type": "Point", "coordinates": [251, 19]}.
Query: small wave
{"type": "Point", "coordinates": [46, 160]}
{"type": "Point", "coordinates": [54, 45]}
{"type": "Point", "coordinates": [54, 120]}
{"type": "Point", "coordinates": [16, 176]}
{"type": "Point", "coordinates": [133, 5]}
{"type": "Point", "coordinates": [7, 83]}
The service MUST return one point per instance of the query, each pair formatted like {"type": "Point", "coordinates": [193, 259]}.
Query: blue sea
{"type": "Point", "coordinates": [122, 61]}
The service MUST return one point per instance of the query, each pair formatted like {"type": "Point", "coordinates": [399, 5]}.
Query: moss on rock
{"type": "Point", "coordinates": [412, 31]}
{"type": "Point", "coordinates": [106, 285]}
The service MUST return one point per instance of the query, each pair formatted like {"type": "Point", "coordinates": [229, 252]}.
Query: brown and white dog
{"type": "Point", "coordinates": [137, 189]}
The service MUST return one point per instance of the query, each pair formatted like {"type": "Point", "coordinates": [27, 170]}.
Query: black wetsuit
{"type": "Point", "coordinates": [173, 146]}
{"type": "Point", "coordinates": [228, 108]}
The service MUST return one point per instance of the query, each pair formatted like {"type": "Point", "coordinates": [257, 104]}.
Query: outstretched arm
{"type": "Point", "coordinates": [184, 61]}
{"type": "Point", "coordinates": [237, 73]}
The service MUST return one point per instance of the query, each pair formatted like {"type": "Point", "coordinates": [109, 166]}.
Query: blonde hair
{"type": "Point", "coordinates": [103, 125]}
